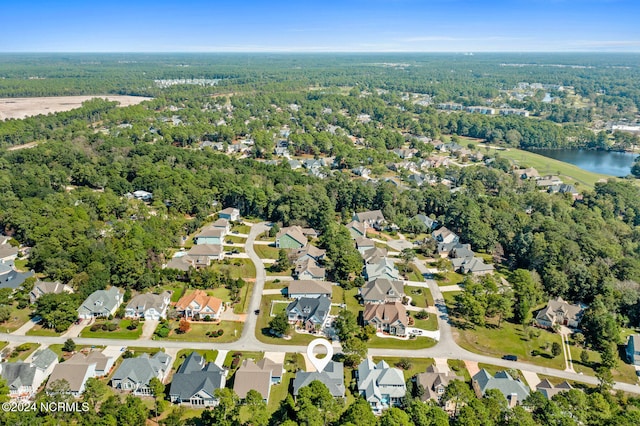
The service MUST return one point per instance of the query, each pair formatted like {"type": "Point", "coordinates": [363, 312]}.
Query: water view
{"type": "Point", "coordinates": [604, 162]}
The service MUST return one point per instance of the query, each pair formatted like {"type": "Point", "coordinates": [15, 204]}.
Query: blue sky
{"type": "Point", "coordinates": [319, 26]}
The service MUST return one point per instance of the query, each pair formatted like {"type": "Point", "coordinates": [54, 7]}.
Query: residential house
{"type": "Point", "coordinates": [375, 255]}
{"type": "Point", "coordinates": [429, 223]}
{"type": "Point", "coordinates": [23, 378]}
{"type": "Point", "coordinates": [309, 252]}
{"type": "Point", "coordinates": [196, 381]}
{"type": "Point", "coordinates": [362, 171]}
{"type": "Point", "coordinates": [529, 173]}
{"type": "Point", "coordinates": [382, 290]}
{"type": "Point", "coordinates": [258, 376]}
{"type": "Point", "coordinates": [134, 374]}
{"type": "Point", "coordinates": [559, 312]}
{"type": "Point", "coordinates": [481, 110]}
{"type": "Point", "coordinates": [231, 214]}
{"type": "Point", "coordinates": [308, 269]}
{"type": "Point", "coordinates": [142, 195]}
{"type": "Point", "coordinates": [434, 384]}
{"type": "Point", "coordinates": [380, 385]}
{"type": "Point", "coordinates": [46, 287]}
{"type": "Point", "coordinates": [332, 377]}
{"type": "Point", "coordinates": [10, 278]}
{"type": "Point", "coordinates": [8, 253]}
{"type": "Point", "coordinates": [199, 305]}
{"type": "Point", "coordinates": [101, 303]}
{"type": "Point", "coordinates": [472, 265]}
{"type": "Point", "coordinates": [309, 289]}
{"type": "Point", "coordinates": [405, 153]}
{"type": "Point", "coordinates": [514, 390]}
{"type": "Point", "coordinates": [445, 235]}
{"type": "Point", "coordinates": [311, 313]}
{"type": "Point", "coordinates": [201, 255]}
{"type": "Point", "coordinates": [211, 235]}
{"type": "Point", "coordinates": [364, 244]}
{"type": "Point", "coordinates": [387, 317]}
{"type": "Point", "coordinates": [384, 268]}
{"type": "Point", "coordinates": [223, 224]}
{"type": "Point", "coordinates": [547, 181]}
{"type": "Point", "coordinates": [565, 189]}
{"type": "Point", "coordinates": [373, 218]}
{"type": "Point", "coordinates": [148, 306]}
{"type": "Point", "coordinates": [461, 251]}
{"type": "Point", "coordinates": [357, 229]}
{"type": "Point", "coordinates": [295, 164]}
{"type": "Point", "coordinates": [291, 237]}
{"type": "Point", "coordinates": [103, 363]}
{"type": "Point", "coordinates": [547, 388]}
{"type": "Point", "coordinates": [76, 376]}
{"type": "Point", "coordinates": [633, 349]}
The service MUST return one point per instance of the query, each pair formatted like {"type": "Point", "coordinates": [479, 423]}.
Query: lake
{"type": "Point", "coordinates": [604, 162]}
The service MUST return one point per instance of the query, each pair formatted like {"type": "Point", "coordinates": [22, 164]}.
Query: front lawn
{"type": "Point", "coordinates": [121, 332]}
{"type": "Point", "coordinates": [393, 343]}
{"type": "Point", "coordinates": [459, 368]}
{"type": "Point", "coordinates": [221, 293]}
{"type": "Point", "coordinates": [430, 323]}
{"type": "Point", "coordinates": [236, 268]}
{"type": "Point", "coordinates": [38, 330]}
{"type": "Point", "coordinates": [197, 333]}
{"type": "Point", "coordinates": [21, 352]}
{"type": "Point", "coordinates": [18, 318]}
{"type": "Point", "coordinates": [622, 373]}
{"type": "Point", "coordinates": [235, 239]}
{"type": "Point", "coordinates": [420, 297]}
{"type": "Point", "coordinates": [417, 365]}
{"type": "Point", "coordinates": [448, 278]}
{"type": "Point", "coordinates": [266, 252]}
{"type": "Point", "coordinates": [241, 229]}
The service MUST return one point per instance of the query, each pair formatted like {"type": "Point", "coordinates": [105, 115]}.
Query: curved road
{"type": "Point", "coordinates": [445, 348]}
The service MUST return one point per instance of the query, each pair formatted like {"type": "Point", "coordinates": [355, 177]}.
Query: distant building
{"type": "Point", "coordinates": [199, 305]}
{"type": "Point", "coordinates": [444, 235]}
{"type": "Point", "coordinates": [546, 388]}
{"type": "Point", "coordinates": [258, 376]}
{"type": "Point", "coordinates": [142, 195]}
{"type": "Point", "coordinates": [429, 223]}
{"type": "Point", "coordinates": [309, 289]}
{"type": "Point", "coordinates": [230, 213]}
{"type": "Point", "coordinates": [382, 290]}
{"type": "Point", "coordinates": [44, 287]}
{"type": "Point", "coordinates": [10, 278]}
{"type": "Point", "coordinates": [364, 244]}
{"type": "Point", "coordinates": [373, 218]}
{"type": "Point", "coordinates": [357, 229]}
{"type": "Point", "coordinates": [434, 384]}
{"type": "Point", "coordinates": [384, 268]}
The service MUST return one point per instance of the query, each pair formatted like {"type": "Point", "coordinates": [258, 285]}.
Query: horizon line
{"type": "Point", "coordinates": [463, 52]}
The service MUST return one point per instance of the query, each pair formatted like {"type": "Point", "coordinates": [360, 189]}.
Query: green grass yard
{"type": "Point", "coordinates": [266, 252]}
{"type": "Point", "coordinates": [419, 295]}
{"type": "Point", "coordinates": [237, 268]}
{"type": "Point", "coordinates": [418, 365]}
{"type": "Point", "coordinates": [17, 320]}
{"type": "Point", "coordinates": [121, 333]}
{"type": "Point", "coordinates": [245, 295]}
{"type": "Point", "coordinates": [38, 330]}
{"type": "Point", "coordinates": [262, 326]}
{"type": "Point", "coordinates": [209, 356]}
{"type": "Point", "coordinates": [197, 333]}
{"type": "Point", "coordinates": [392, 343]}
{"type": "Point", "coordinates": [430, 323]}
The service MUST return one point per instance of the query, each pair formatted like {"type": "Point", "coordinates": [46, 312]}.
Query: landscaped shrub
{"type": "Point", "coordinates": [96, 327]}
{"type": "Point", "coordinates": [220, 332]}
{"type": "Point", "coordinates": [422, 315]}
{"type": "Point", "coordinates": [134, 325]}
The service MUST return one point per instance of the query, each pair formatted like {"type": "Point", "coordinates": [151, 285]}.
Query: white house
{"type": "Point", "coordinates": [148, 306]}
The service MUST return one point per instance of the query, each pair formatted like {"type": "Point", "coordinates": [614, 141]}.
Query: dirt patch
{"type": "Point", "coordinates": [27, 107]}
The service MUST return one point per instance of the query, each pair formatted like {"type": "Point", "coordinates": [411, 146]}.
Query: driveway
{"type": "Point", "coordinates": [26, 327]}
{"type": "Point", "coordinates": [75, 329]}
{"type": "Point", "coordinates": [148, 327]}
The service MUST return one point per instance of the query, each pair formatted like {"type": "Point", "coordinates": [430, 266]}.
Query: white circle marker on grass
{"type": "Point", "coordinates": [319, 363]}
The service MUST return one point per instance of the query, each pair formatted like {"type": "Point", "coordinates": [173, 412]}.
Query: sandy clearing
{"type": "Point", "coordinates": [27, 107]}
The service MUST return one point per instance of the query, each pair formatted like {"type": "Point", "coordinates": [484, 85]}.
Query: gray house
{"type": "Point", "coordinates": [380, 385]}
{"type": "Point", "coordinates": [332, 377]}
{"type": "Point", "coordinates": [383, 268]}
{"type": "Point", "coordinates": [46, 287]}
{"type": "Point", "coordinates": [196, 381]}
{"type": "Point", "coordinates": [101, 303]}
{"type": "Point", "coordinates": [134, 374]}
{"type": "Point", "coordinates": [426, 221]}
{"type": "Point", "coordinates": [382, 290]}
{"type": "Point", "coordinates": [633, 349]}
{"type": "Point", "coordinates": [310, 289]}
{"type": "Point", "coordinates": [514, 390]}
{"type": "Point", "coordinates": [312, 313]}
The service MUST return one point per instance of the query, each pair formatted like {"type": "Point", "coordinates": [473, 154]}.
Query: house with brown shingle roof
{"type": "Point", "coordinates": [435, 383]}
{"type": "Point", "coordinates": [309, 288]}
{"type": "Point", "coordinates": [308, 269]}
{"type": "Point", "coordinates": [258, 376]}
{"type": "Point", "coordinates": [547, 388]}
{"type": "Point", "coordinates": [382, 290]}
{"type": "Point", "coordinates": [387, 317]}
{"type": "Point", "coordinates": [561, 313]}
{"type": "Point", "coordinates": [199, 305]}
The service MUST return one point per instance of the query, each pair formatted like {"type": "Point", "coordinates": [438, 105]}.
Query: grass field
{"type": "Point", "coordinates": [235, 239]}
{"type": "Point", "coordinates": [430, 323]}
{"type": "Point", "coordinates": [419, 295]}
{"type": "Point", "coordinates": [622, 373]}
{"type": "Point", "coordinates": [242, 229]}
{"type": "Point", "coordinates": [237, 268]}
{"type": "Point", "coordinates": [418, 365]}
{"type": "Point", "coordinates": [39, 331]}
{"type": "Point", "coordinates": [121, 333]}
{"type": "Point", "coordinates": [232, 331]}
{"type": "Point", "coordinates": [17, 320]}
{"type": "Point", "coordinates": [391, 343]}
{"type": "Point", "coordinates": [21, 265]}
{"type": "Point", "coordinates": [266, 252]}
{"type": "Point", "coordinates": [548, 166]}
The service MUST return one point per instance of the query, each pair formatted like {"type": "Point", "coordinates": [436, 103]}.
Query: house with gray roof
{"type": "Point", "coordinates": [559, 312]}
{"type": "Point", "coordinates": [363, 244]}
{"type": "Point", "coordinates": [548, 389]}
{"type": "Point", "coordinates": [374, 255]}
{"type": "Point", "coordinates": [445, 235]}
{"type": "Point", "coordinates": [230, 213]}
{"type": "Point", "coordinates": [426, 221]}
{"type": "Point", "coordinates": [461, 251]}
{"type": "Point", "coordinates": [434, 382]}
{"type": "Point", "coordinates": [309, 252]}
{"type": "Point", "coordinates": [633, 349]}
{"type": "Point", "coordinates": [10, 278]}
{"type": "Point", "coordinates": [309, 288]}
{"type": "Point", "coordinates": [383, 268]}
{"type": "Point", "coordinates": [310, 313]}
{"type": "Point", "coordinates": [472, 265]}
{"type": "Point", "coordinates": [46, 287]}
{"type": "Point", "coordinates": [514, 390]}
{"type": "Point", "coordinates": [148, 306]}
{"type": "Point", "coordinates": [381, 386]}
{"type": "Point", "coordinates": [24, 379]}
{"type": "Point", "coordinates": [134, 374]}
{"type": "Point", "coordinates": [356, 229]}
{"type": "Point", "coordinates": [372, 218]}
{"type": "Point", "coordinates": [332, 377]}
{"type": "Point", "coordinates": [291, 237]}
{"type": "Point", "coordinates": [308, 269]}
{"type": "Point", "coordinates": [382, 290]}
{"type": "Point", "coordinates": [196, 381]}
{"type": "Point", "coordinates": [101, 303]}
